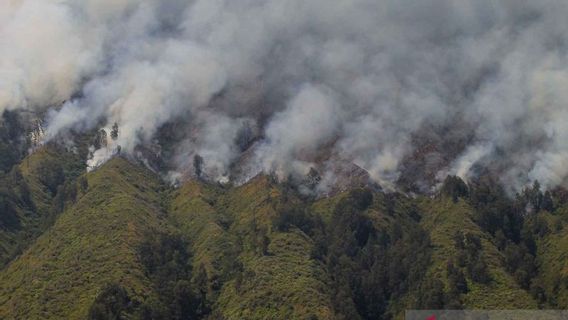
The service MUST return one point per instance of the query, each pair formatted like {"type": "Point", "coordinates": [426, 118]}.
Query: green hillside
{"type": "Point", "coordinates": [444, 219]}
{"type": "Point", "coordinates": [255, 272]}
{"type": "Point", "coordinates": [117, 243]}
{"type": "Point", "coordinates": [28, 199]}
{"type": "Point", "coordinates": [552, 259]}
{"type": "Point", "coordinates": [90, 245]}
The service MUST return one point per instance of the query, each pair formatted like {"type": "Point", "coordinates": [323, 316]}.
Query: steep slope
{"type": "Point", "coordinates": [279, 279]}
{"type": "Point", "coordinates": [193, 212]}
{"type": "Point", "coordinates": [91, 244]}
{"type": "Point", "coordinates": [124, 245]}
{"type": "Point", "coordinates": [446, 220]}
{"type": "Point", "coordinates": [268, 253]}
{"type": "Point", "coordinates": [27, 196]}
{"type": "Point", "coordinates": [254, 270]}
{"type": "Point", "coordinates": [552, 259]}
{"type": "Point", "coordinates": [376, 252]}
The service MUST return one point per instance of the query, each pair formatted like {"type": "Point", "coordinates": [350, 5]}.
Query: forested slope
{"type": "Point", "coordinates": [92, 244]}
{"type": "Point", "coordinates": [118, 242]}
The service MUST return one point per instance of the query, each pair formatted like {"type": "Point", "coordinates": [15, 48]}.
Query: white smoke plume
{"type": "Point", "coordinates": [285, 85]}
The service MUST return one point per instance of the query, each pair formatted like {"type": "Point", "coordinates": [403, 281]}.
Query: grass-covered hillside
{"type": "Point", "coordinates": [91, 244]}
{"type": "Point", "coordinates": [118, 243]}
{"type": "Point", "coordinates": [32, 194]}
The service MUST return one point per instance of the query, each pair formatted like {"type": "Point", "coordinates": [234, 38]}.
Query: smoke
{"type": "Point", "coordinates": [311, 120]}
{"type": "Point", "coordinates": [283, 86]}
{"type": "Point", "coordinates": [462, 166]}
{"type": "Point", "coordinates": [45, 54]}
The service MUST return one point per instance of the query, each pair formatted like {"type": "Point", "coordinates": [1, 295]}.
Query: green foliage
{"type": "Point", "coordinates": [455, 188]}
{"type": "Point", "coordinates": [277, 277]}
{"type": "Point", "coordinates": [99, 139]}
{"type": "Point", "coordinates": [495, 211]}
{"type": "Point", "coordinates": [431, 295]}
{"type": "Point", "coordinates": [198, 165]}
{"type": "Point", "coordinates": [113, 303]}
{"type": "Point", "coordinates": [91, 244]}
{"type": "Point", "coordinates": [456, 279]}
{"type": "Point", "coordinates": [28, 206]}
{"type": "Point", "coordinates": [295, 216]}
{"type": "Point", "coordinates": [371, 266]}
{"type": "Point", "coordinates": [114, 132]}
{"type": "Point", "coordinates": [533, 199]}
{"type": "Point", "coordinates": [469, 253]}
{"type": "Point", "coordinates": [14, 197]}
{"type": "Point", "coordinates": [361, 198]}
{"type": "Point", "coordinates": [456, 237]}
{"type": "Point", "coordinates": [124, 246]}
{"type": "Point", "coordinates": [13, 140]}
{"type": "Point", "coordinates": [50, 174]}
{"type": "Point", "coordinates": [245, 136]}
{"type": "Point", "coordinates": [167, 263]}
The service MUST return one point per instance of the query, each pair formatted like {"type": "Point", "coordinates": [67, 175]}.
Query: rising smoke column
{"type": "Point", "coordinates": [356, 78]}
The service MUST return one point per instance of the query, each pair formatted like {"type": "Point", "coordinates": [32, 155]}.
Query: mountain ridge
{"type": "Point", "coordinates": [266, 250]}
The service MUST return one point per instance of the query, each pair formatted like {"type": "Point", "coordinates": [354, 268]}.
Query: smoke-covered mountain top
{"type": "Point", "coordinates": [407, 91]}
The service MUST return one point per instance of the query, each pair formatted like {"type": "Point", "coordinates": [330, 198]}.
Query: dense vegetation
{"type": "Point", "coordinates": [117, 243]}
{"type": "Point", "coordinates": [13, 141]}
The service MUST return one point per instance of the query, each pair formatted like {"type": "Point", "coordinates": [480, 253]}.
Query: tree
{"type": "Point", "coordinates": [362, 197]}
{"type": "Point", "coordinates": [8, 215]}
{"type": "Point", "coordinates": [472, 245]}
{"type": "Point", "coordinates": [538, 293]}
{"type": "Point", "coordinates": [294, 216]}
{"type": "Point", "coordinates": [166, 260]}
{"type": "Point", "coordinates": [83, 184]}
{"type": "Point", "coordinates": [535, 196]}
{"type": "Point", "coordinates": [50, 173]}
{"type": "Point", "coordinates": [245, 136]}
{"type": "Point", "coordinates": [478, 271]}
{"type": "Point", "coordinates": [114, 132]}
{"type": "Point", "coordinates": [186, 304]}
{"type": "Point", "coordinates": [469, 255]}
{"type": "Point", "coordinates": [521, 263]}
{"type": "Point", "coordinates": [201, 284]}
{"type": "Point", "coordinates": [8, 157]}
{"type": "Point", "coordinates": [547, 203]}
{"type": "Point", "coordinates": [531, 198]}
{"type": "Point", "coordinates": [66, 193]}
{"type": "Point", "coordinates": [100, 139]}
{"type": "Point", "coordinates": [459, 240]}
{"type": "Point", "coordinates": [13, 124]}
{"type": "Point", "coordinates": [432, 295]}
{"type": "Point", "coordinates": [198, 165]}
{"type": "Point", "coordinates": [500, 240]}
{"type": "Point", "coordinates": [13, 142]}
{"type": "Point", "coordinates": [455, 188]}
{"type": "Point", "coordinates": [111, 304]}
{"type": "Point", "coordinates": [456, 278]}
{"type": "Point", "coordinates": [312, 179]}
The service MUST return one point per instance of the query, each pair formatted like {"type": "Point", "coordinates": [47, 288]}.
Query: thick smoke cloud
{"type": "Point", "coordinates": [287, 85]}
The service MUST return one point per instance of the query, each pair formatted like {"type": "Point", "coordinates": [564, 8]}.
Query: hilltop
{"type": "Point", "coordinates": [119, 242]}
